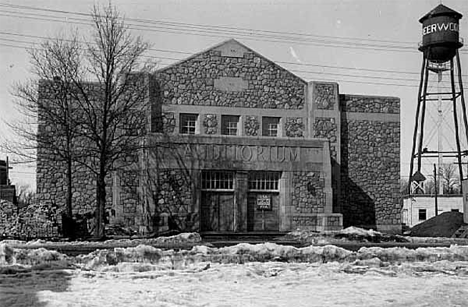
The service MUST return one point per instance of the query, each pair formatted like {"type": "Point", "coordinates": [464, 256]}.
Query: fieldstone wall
{"type": "Point", "coordinates": [325, 127]}
{"type": "Point", "coordinates": [368, 104]}
{"type": "Point", "coordinates": [370, 164]}
{"type": "Point", "coordinates": [173, 201]}
{"type": "Point", "coordinates": [214, 78]}
{"type": "Point", "coordinates": [52, 183]}
{"type": "Point", "coordinates": [325, 96]}
{"type": "Point", "coordinates": [33, 221]}
{"type": "Point", "coordinates": [51, 166]}
{"type": "Point", "coordinates": [308, 195]}
{"type": "Point", "coordinates": [168, 122]}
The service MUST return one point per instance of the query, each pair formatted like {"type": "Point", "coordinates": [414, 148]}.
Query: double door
{"type": "Point", "coordinates": [218, 211]}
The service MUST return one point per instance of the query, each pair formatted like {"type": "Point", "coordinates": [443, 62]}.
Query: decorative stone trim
{"type": "Point", "coordinates": [251, 125]}
{"type": "Point", "coordinates": [210, 123]}
{"type": "Point", "coordinates": [294, 127]}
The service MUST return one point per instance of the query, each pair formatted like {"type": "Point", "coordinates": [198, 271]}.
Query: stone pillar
{"type": "Point", "coordinates": [240, 201]}
{"type": "Point", "coordinates": [285, 207]}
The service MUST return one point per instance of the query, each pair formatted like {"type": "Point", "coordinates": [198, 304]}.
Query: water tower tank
{"type": "Point", "coordinates": [440, 34]}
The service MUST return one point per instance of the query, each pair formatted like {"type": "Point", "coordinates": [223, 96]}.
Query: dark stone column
{"type": "Point", "coordinates": [241, 191]}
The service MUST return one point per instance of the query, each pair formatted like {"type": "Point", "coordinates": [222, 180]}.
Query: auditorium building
{"type": "Point", "coordinates": [236, 143]}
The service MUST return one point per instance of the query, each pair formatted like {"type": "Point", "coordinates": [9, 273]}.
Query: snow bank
{"type": "Point", "coordinates": [360, 232]}
{"type": "Point", "coordinates": [350, 234]}
{"type": "Point", "coordinates": [245, 253]}
{"type": "Point", "coordinates": [189, 238]}
{"type": "Point", "coordinates": [6, 254]}
{"type": "Point", "coordinates": [144, 257]}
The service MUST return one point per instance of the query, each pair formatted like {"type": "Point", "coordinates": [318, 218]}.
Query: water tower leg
{"type": "Point", "coordinates": [423, 117]}
{"type": "Point", "coordinates": [416, 123]}
{"type": "Point", "coordinates": [455, 120]}
{"type": "Point", "coordinates": [462, 96]}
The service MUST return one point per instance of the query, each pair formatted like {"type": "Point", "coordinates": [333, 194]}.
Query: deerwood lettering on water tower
{"type": "Point", "coordinates": [450, 26]}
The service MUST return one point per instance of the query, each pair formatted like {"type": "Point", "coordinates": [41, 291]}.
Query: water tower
{"type": "Point", "coordinates": [440, 44]}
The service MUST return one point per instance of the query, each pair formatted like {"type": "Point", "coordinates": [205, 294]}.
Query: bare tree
{"type": "Point", "coordinates": [25, 195]}
{"type": "Point", "coordinates": [450, 179]}
{"type": "Point", "coordinates": [111, 98]}
{"type": "Point", "coordinates": [45, 99]}
{"type": "Point", "coordinates": [91, 101]}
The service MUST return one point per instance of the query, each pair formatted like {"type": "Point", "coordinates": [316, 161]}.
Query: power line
{"type": "Point", "coordinates": [210, 30]}
{"type": "Point", "coordinates": [218, 34]}
{"type": "Point", "coordinates": [248, 30]}
{"type": "Point", "coordinates": [321, 78]}
{"type": "Point", "coordinates": [282, 62]}
{"type": "Point", "coordinates": [293, 70]}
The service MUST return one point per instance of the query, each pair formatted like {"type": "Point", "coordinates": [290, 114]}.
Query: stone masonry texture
{"type": "Point", "coordinates": [308, 196]}
{"type": "Point", "coordinates": [192, 82]}
{"type": "Point", "coordinates": [325, 96]}
{"type": "Point", "coordinates": [214, 83]}
{"type": "Point", "coordinates": [370, 168]}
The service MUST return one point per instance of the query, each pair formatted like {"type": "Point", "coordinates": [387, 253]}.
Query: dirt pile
{"type": "Point", "coordinates": [443, 225]}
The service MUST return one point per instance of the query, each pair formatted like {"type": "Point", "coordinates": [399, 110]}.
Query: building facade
{"type": "Point", "coordinates": [236, 143]}
{"type": "Point", "coordinates": [419, 207]}
{"type": "Point", "coordinates": [7, 190]}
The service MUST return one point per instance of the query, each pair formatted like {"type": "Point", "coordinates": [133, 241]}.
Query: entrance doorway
{"type": "Point", "coordinates": [263, 201]}
{"type": "Point", "coordinates": [217, 211]}
{"type": "Point", "coordinates": [217, 201]}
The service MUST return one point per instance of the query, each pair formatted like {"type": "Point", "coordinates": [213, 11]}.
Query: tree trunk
{"type": "Point", "coordinates": [100, 206]}
{"type": "Point", "coordinates": [69, 189]}
{"type": "Point", "coordinates": [68, 224]}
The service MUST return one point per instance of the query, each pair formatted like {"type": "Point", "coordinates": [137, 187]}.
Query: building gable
{"type": "Point", "coordinates": [231, 75]}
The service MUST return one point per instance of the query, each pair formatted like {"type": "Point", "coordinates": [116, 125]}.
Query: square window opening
{"type": "Point", "coordinates": [422, 213]}
{"type": "Point", "coordinates": [188, 123]}
{"type": "Point", "coordinates": [270, 126]}
{"type": "Point", "coordinates": [230, 124]}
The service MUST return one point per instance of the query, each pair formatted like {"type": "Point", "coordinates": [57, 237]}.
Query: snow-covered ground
{"type": "Point", "coordinates": [241, 275]}
{"type": "Point", "coordinates": [251, 284]}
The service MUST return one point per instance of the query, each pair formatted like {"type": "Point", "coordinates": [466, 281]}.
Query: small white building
{"type": "Point", "coordinates": [419, 208]}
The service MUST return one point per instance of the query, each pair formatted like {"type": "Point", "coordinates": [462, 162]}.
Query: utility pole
{"type": "Point", "coordinates": [435, 191]}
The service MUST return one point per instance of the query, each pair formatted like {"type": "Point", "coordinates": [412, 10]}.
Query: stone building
{"type": "Point", "coordinates": [7, 190]}
{"type": "Point", "coordinates": [237, 143]}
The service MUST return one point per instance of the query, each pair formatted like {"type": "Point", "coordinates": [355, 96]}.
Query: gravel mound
{"type": "Point", "coordinates": [443, 225]}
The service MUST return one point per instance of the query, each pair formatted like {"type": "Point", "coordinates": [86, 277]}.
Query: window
{"type": "Point", "coordinates": [188, 123]}
{"type": "Point", "coordinates": [229, 124]}
{"type": "Point", "coordinates": [455, 210]}
{"type": "Point", "coordinates": [264, 181]}
{"type": "Point", "coordinates": [217, 180]}
{"type": "Point", "coordinates": [270, 126]}
{"type": "Point", "coordinates": [422, 214]}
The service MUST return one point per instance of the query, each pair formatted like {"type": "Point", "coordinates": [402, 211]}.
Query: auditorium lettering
{"type": "Point", "coordinates": [245, 153]}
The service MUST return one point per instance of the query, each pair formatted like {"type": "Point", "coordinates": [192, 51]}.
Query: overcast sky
{"type": "Point", "coordinates": [367, 46]}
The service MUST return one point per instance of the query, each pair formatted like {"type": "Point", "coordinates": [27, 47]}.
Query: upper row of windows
{"type": "Point", "coordinates": [188, 124]}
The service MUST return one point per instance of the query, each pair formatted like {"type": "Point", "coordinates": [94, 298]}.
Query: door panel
{"type": "Point", "coordinates": [226, 212]}
{"type": "Point", "coordinates": [217, 211]}
{"type": "Point", "coordinates": [258, 220]}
